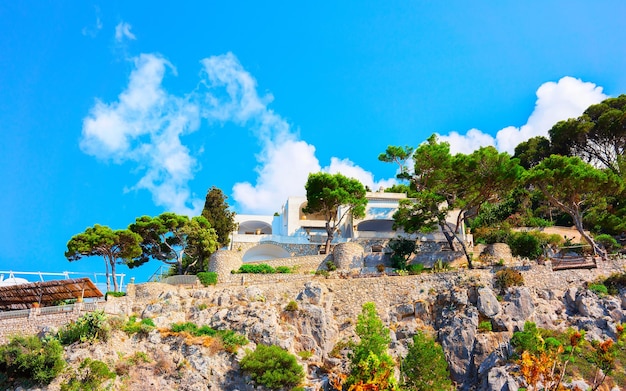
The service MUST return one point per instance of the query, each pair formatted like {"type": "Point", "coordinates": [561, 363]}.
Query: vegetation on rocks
{"type": "Point", "coordinates": [425, 366]}
{"type": "Point", "coordinates": [92, 326]}
{"type": "Point", "coordinates": [31, 358]}
{"type": "Point", "coordinates": [273, 367]}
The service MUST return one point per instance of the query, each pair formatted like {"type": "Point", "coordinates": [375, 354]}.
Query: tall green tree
{"type": "Point", "coordinates": [425, 367]}
{"type": "Point", "coordinates": [113, 245]}
{"type": "Point", "coordinates": [327, 193]}
{"type": "Point", "coordinates": [170, 238]}
{"type": "Point", "coordinates": [370, 364]}
{"type": "Point", "coordinates": [532, 151]}
{"type": "Point", "coordinates": [442, 183]}
{"type": "Point", "coordinates": [598, 136]}
{"type": "Point", "coordinates": [217, 212]}
{"type": "Point", "coordinates": [574, 187]}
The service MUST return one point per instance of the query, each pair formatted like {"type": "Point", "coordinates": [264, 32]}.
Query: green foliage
{"type": "Point", "coordinates": [90, 327]}
{"type": "Point", "coordinates": [322, 272]}
{"type": "Point", "coordinates": [574, 187]}
{"type": "Point", "coordinates": [262, 268]}
{"type": "Point", "coordinates": [615, 283]}
{"type": "Point", "coordinates": [600, 289]}
{"type": "Point", "coordinates": [507, 277]}
{"type": "Point", "coordinates": [488, 235]}
{"type": "Point", "coordinates": [525, 244]}
{"type": "Point", "coordinates": [291, 306]}
{"type": "Point", "coordinates": [369, 361]}
{"type": "Point", "coordinates": [330, 266]}
{"type": "Point", "coordinates": [114, 294]}
{"type": "Point", "coordinates": [415, 268]}
{"type": "Point", "coordinates": [32, 358]}
{"type": "Point", "coordinates": [230, 339]}
{"type": "Point", "coordinates": [174, 240]}
{"type": "Point", "coordinates": [485, 326]}
{"type": "Point", "coordinates": [425, 366]}
{"type": "Point", "coordinates": [283, 269]}
{"type": "Point", "coordinates": [90, 376]}
{"type": "Point", "coordinates": [529, 340]}
{"type": "Point", "coordinates": [272, 367]}
{"type": "Point", "coordinates": [402, 248]}
{"type": "Point", "coordinates": [217, 212]}
{"type": "Point", "coordinates": [305, 354]}
{"type": "Point", "coordinates": [207, 278]}
{"type": "Point", "coordinates": [101, 241]}
{"type": "Point", "coordinates": [325, 193]}
{"type": "Point", "coordinates": [608, 242]}
{"type": "Point", "coordinates": [133, 326]}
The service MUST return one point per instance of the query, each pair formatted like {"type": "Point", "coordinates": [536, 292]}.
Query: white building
{"type": "Point", "coordinates": [292, 232]}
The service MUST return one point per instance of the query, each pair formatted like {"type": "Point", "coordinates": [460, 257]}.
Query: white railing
{"type": "Point", "coordinates": [11, 274]}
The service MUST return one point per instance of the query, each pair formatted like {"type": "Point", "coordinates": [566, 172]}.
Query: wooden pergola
{"type": "Point", "coordinates": [23, 296]}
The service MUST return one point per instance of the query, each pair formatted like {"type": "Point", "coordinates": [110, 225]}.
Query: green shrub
{"type": "Point", "coordinates": [207, 278]}
{"type": "Point", "coordinates": [230, 339]}
{"type": "Point", "coordinates": [292, 306]}
{"type": "Point", "coordinates": [529, 340]}
{"type": "Point", "coordinates": [322, 272]}
{"type": "Point", "coordinates": [89, 327]}
{"type": "Point", "coordinates": [283, 269]}
{"type": "Point", "coordinates": [415, 268]}
{"type": "Point", "coordinates": [114, 294]}
{"type": "Point", "coordinates": [370, 364]}
{"type": "Point", "coordinates": [425, 366]}
{"type": "Point", "coordinates": [600, 289]}
{"type": "Point", "coordinates": [485, 326]}
{"type": "Point", "coordinates": [488, 235]}
{"type": "Point", "coordinates": [525, 244]}
{"type": "Point", "coordinates": [272, 367]}
{"type": "Point", "coordinates": [402, 250]}
{"type": "Point", "coordinates": [261, 268]}
{"type": "Point", "coordinates": [330, 265]}
{"type": "Point", "coordinates": [90, 376]}
{"type": "Point", "coordinates": [32, 358]}
{"type": "Point", "coordinates": [133, 326]}
{"type": "Point", "coordinates": [608, 242]}
{"type": "Point", "coordinates": [305, 354]}
{"type": "Point", "coordinates": [615, 283]}
{"type": "Point", "coordinates": [507, 277]}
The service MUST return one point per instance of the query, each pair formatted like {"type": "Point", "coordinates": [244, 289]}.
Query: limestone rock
{"type": "Point", "coordinates": [487, 303]}
{"type": "Point", "coordinates": [457, 336]}
{"type": "Point", "coordinates": [348, 256]}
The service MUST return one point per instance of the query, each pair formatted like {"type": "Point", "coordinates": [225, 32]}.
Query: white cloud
{"type": "Point", "coordinates": [349, 169]}
{"type": "Point", "coordinates": [122, 31]}
{"type": "Point", "coordinates": [567, 98]}
{"type": "Point", "coordinates": [92, 30]}
{"type": "Point", "coordinates": [144, 126]}
{"type": "Point", "coordinates": [146, 123]}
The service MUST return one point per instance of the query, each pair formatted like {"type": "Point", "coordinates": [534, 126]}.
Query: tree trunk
{"type": "Point", "coordinates": [450, 236]}
{"type": "Point", "coordinates": [579, 226]}
{"type": "Point", "coordinates": [115, 287]}
{"type": "Point", "coordinates": [179, 262]}
{"type": "Point", "coordinates": [329, 237]}
{"type": "Point", "coordinates": [106, 273]}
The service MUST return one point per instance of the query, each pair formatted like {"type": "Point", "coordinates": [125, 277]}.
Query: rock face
{"type": "Point", "coordinates": [450, 306]}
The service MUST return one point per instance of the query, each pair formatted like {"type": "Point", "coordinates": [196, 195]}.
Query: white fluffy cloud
{"type": "Point", "coordinates": [144, 126]}
{"type": "Point", "coordinates": [122, 31]}
{"type": "Point", "coordinates": [567, 98]}
{"type": "Point", "coordinates": [146, 123]}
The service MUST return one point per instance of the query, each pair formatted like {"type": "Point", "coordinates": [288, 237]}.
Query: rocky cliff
{"type": "Point", "coordinates": [449, 305]}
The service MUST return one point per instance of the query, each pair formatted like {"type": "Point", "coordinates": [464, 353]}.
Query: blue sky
{"type": "Point", "coordinates": [113, 110]}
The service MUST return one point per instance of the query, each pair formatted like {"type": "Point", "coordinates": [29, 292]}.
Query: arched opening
{"type": "Point", "coordinates": [264, 252]}
{"type": "Point", "coordinates": [310, 216]}
{"type": "Point", "coordinates": [253, 227]}
{"type": "Point", "coordinates": [376, 225]}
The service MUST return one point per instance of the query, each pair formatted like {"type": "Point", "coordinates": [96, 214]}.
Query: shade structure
{"type": "Point", "coordinates": [44, 293]}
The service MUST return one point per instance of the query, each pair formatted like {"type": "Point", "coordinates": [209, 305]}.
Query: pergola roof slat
{"type": "Point", "coordinates": [46, 292]}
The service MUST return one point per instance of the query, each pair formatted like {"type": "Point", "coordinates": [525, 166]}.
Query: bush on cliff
{"type": "Point", "coordinates": [90, 327]}
{"type": "Point", "coordinates": [31, 359]}
{"type": "Point", "coordinates": [425, 366]}
{"type": "Point", "coordinates": [272, 367]}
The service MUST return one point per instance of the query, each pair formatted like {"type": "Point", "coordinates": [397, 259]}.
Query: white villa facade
{"type": "Point", "coordinates": [292, 232]}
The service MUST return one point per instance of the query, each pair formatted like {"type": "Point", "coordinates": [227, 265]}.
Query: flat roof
{"type": "Point", "coordinates": [22, 296]}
